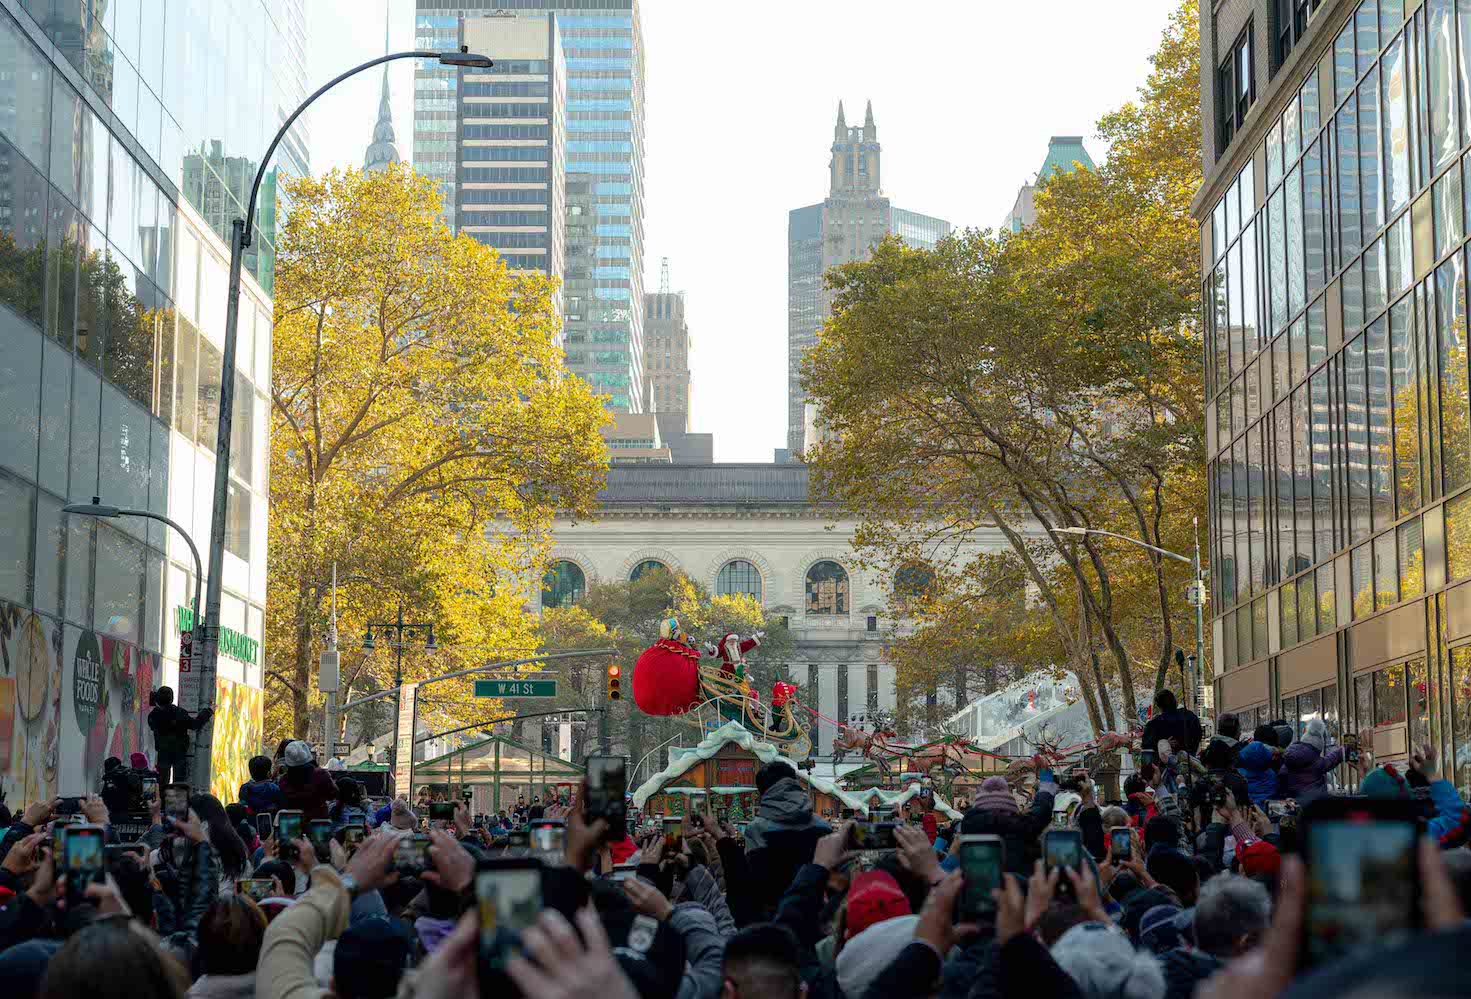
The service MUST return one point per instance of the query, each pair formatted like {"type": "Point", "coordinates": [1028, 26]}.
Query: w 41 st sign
{"type": "Point", "coordinates": [516, 688]}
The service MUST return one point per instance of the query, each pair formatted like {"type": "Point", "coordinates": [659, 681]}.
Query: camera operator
{"type": "Point", "coordinates": [122, 788]}
{"type": "Point", "coordinates": [1221, 758]}
{"type": "Point", "coordinates": [1180, 726]}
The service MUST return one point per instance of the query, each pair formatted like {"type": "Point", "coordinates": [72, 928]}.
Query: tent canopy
{"type": "Point", "coordinates": [500, 764]}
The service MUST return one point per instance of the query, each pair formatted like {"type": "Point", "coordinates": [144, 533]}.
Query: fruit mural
{"type": "Point", "coordinates": [239, 721]}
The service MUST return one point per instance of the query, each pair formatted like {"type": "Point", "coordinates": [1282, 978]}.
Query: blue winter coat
{"type": "Point", "coordinates": [1451, 825]}
{"type": "Point", "coordinates": [1258, 767]}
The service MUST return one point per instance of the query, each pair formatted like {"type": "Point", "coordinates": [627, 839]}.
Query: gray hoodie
{"type": "Point", "coordinates": [785, 807]}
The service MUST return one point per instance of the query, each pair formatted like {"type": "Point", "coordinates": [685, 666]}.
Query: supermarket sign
{"type": "Point", "coordinates": [232, 643]}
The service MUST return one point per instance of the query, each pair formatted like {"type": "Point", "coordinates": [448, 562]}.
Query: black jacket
{"type": "Point", "coordinates": [1021, 831]}
{"type": "Point", "coordinates": [171, 726]}
{"type": "Point", "coordinates": [781, 838]}
{"type": "Point", "coordinates": [1178, 724]}
{"type": "Point", "coordinates": [1185, 969]}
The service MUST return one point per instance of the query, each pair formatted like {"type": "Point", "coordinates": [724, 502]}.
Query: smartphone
{"type": "Point", "coordinates": [150, 788]}
{"type": "Point", "coordinates": [873, 835]}
{"type": "Point", "coordinates": [441, 811]}
{"type": "Point", "coordinates": [1147, 756]}
{"type": "Point", "coordinates": [353, 834]}
{"type": "Point", "coordinates": [548, 837]}
{"type": "Point", "coordinates": [83, 857]}
{"type": "Point", "coordinates": [176, 802]}
{"type": "Point", "coordinates": [607, 788]}
{"type": "Point", "coordinates": [263, 823]}
{"type": "Point", "coordinates": [319, 832]}
{"type": "Point", "coordinates": [983, 864]}
{"type": "Point", "coordinates": [411, 854]}
{"type": "Point", "coordinates": [288, 831]}
{"type": "Point", "coordinates": [673, 834]}
{"type": "Point", "coordinates": [1363, 878]}
{"type": "Point", "coordinates": [518, 839]}
{"type": "Point", "coordinates": [508, 895]}
{"type": "Point", "coordinates": [1063, 848]}
{"type": "Point", "coordinates": [255, 888]}
{"type": "Point", "coordinates": [1121, 845]}
{"type": "Point", "coordinates": [467, 795]}
{"type": "Point", "coordinates": [1277, 809]}
{"type": "Point", "coordinates": [741, 830]}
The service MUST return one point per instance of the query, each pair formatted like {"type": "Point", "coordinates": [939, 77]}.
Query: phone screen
{"type": "Point", "coordinates": [319, 831]}
{"type": "Point", "coordinates": [607, 784]}
{"type": "Point", "coordinates": [411, 854]}
{"type": "Point", "coordinates": [875, 835]}
{"type": "Point", "coordinates": [441, 811]}
{"type": "Point", "coordinates": [176, 801]}
{"type": "Point", "coordinates": [548, 836]}
{"type": "Point", "coordinates": [288, 826]}
{"type": "Point", "coordinates": [1064, 848]}
{"type": "Point", "coordinates": [150, 788]}
{"type": "Point", "coordinates": [84, 858]}
{"type": "Point", "coordinates": [509, 899]}
{"type": "Point", "coordinates": [518, 839]}
{"type": "Point", "coordinates": [263, 825]}
{"type": "Point", "coordinates": [354, 833]}
{"type": "Point", "coordinates": [1362, 886]}
{"type": "Point", "coordinates": [1121, 844]}
{"type": "Point", "coordinates": [673, 834]}
{"type": "Point", "coordinates": [255, 888]}
{"type": "Point", "coordinates": [982, 863]}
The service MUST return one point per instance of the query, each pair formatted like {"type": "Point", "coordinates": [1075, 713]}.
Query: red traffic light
{"type": "Point", "coordinates": [613, 669]}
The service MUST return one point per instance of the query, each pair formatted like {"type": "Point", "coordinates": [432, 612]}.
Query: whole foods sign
{"type": "Point", "coordinates": [232, 643]}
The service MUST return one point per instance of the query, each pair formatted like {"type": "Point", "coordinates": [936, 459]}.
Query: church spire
{"type": "Point", "coordinates": [382, 151]}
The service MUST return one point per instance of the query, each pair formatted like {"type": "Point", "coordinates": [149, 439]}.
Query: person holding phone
{"type": "Point", "coordinates": [994, 812]}
{"type": "Point", "coordinates": [1450, 827]}
{"type": "Point", "coordinates": [305, 786]}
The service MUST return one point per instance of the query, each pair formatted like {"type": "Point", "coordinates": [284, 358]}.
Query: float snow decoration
{"type": "Point", "coordinates": [670, 680]}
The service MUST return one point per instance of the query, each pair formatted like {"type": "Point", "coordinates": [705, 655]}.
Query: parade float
{"type": "Point", "coordinates": [740, 732]}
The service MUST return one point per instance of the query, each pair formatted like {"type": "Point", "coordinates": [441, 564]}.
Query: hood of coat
{"type": "Point", "coordinates": [1300, 756]}
{"type": "Point", "coordinates": [786, 804]}
{"type": "Point", "coordinates": [1256, 756]}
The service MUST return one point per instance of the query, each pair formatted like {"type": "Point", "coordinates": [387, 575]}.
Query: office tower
{"type": "Point", "coordinates": [602, 287]}
{"type": "Point", "coordinates": [1334, 278]}
{"type": "Point", "coordinates": [130, 134]}
{"type": "Point", "coordinates": [1064, 154]}
{"type": "Point", "coordinates": [843, 228]}
{"type": "Point", "coordinates": [667, 356]}
{"type": "Point", "coordinates": [511, 123]}
{"type": "Point", "coordinates": [383, 150]}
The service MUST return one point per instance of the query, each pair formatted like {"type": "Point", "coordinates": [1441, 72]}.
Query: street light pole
{"type": "Point", "coordinates": [240, 238]}
{"type": "Point", "coordinates": [1195, 595]}
{"type": "Point", "coordinates": [398, 629]}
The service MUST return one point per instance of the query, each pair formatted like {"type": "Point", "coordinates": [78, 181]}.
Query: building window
{"type": "Point", "coordinates": [1236, 87]}
{"type": "Point", "coordinates": [873, 622]}
{"type": "Point", "coordinates": [563, 585]}
{"type": "Point", "coordinates": [739, 576]}
{"type": "Point", "coordinates": [647, 565]}
{"type": "Point", "coordinates": [827, 589]}
{"type": "Point", "coordinates": [1292, 24]}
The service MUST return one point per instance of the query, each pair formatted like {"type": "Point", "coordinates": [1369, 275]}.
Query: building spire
{"type": "Point", "coordinates": [840, 132]}
{"type": "Point", "coordinates": [870, 130]}
{"type": "Point", "coordinates": [382, 151]}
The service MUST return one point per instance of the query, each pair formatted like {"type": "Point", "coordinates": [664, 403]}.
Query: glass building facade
{"type": "Point", "coordinates": [602, 278]}
{"type": "Point", "coordinates": [1338, 412]}
{"type": "Point", "coordinates": [127, 131]}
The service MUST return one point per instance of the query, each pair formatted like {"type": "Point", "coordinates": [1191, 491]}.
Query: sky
{"type": "Point", "coordinates": [739, 117]}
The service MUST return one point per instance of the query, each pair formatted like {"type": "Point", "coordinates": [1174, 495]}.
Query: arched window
{"type": "Point", "coordinates": [739, 576]}
{"type": "Point", "coordinates": [563, 585]}
{"type": "Point", "coordinates": [827, 589]}
{"type": "Point", "coordinates": [647, 565]}
{"type": "Point", "coordinates": [913, 580]}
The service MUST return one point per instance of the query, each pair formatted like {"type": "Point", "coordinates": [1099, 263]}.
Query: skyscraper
{"type": "Point", "coordinates": [843, 228]}
{"type": "Point", "coordinates": [667, 356]}
{"type": "Point", "coordinates": [602, 278]}
{"type": "Point", "coordinates": [383, 150]}
{"type": "Point", "coordinates": [1064, 153]}
{"type": "Point", "coordinates": [130, 134]}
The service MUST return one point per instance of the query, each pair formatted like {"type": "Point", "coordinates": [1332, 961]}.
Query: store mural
{"type": "Point", "coordinates": [69, 698]}
{"type": "Point", "coordinates": [239, 722]}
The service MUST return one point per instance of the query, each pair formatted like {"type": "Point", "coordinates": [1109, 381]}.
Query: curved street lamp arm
{"type": "Point", "coordinates": [260, 173]}
{"type": "Point", "coordinates": [1135, 541]}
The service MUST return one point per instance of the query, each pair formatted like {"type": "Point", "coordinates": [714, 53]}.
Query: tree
{"type": "Point", "coordinates": [1029, 382]}
{"type": "Point", "coordinates": [424, 433]}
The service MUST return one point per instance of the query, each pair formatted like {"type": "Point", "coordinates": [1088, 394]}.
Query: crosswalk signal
{"type": "Point", "coordinates": [615, 673]}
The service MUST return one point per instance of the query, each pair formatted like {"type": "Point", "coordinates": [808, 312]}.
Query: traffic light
{"type": "Point", "coordinates": [615, 673]}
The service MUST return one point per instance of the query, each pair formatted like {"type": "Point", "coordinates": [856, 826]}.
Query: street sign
{"type": "Point", "coordinates": [515, 688]}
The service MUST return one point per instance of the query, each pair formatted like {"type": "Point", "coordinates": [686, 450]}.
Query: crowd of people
{"type": "Point", "coordinates": [1175, 895]}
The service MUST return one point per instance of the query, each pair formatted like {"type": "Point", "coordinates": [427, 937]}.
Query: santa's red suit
{"type": "Point", "coordinates": [732, 653]}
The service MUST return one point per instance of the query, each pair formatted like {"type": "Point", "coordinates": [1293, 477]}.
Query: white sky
{"type": "Point", "coordinates": [739, 116]}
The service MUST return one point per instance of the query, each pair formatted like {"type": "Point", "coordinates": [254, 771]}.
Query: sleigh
{"type": "Point", "coordinates": [671, 680]}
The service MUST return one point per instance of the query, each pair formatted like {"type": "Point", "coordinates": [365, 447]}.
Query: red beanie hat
{"type": "Point", "coordinates": [873, 897]}
{"type": "Point", "coordinates": [1258, 858]}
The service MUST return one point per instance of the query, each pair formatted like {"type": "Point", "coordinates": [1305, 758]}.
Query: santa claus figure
{"type": "Point", "coordinates": [732, 652]}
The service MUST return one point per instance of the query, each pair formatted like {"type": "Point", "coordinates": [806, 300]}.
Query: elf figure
{"type": "Point", "coordinates": [732, 653]}
{"type": "Point", "coordinates": [781, 692]}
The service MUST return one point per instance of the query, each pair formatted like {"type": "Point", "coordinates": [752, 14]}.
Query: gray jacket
{"type": "Point", "coordinates": [785, 806]}
{"type": "Point", "coordinates": [700, 887]}
{"type": "Point", "coordinates": [704, 948]}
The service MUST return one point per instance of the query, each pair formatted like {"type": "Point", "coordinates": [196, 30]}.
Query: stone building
{"type": "Point", "coordinates": [747, 529]}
